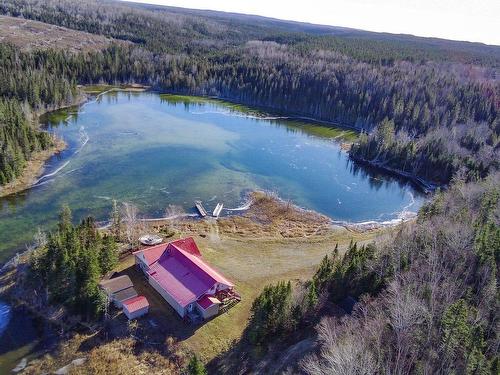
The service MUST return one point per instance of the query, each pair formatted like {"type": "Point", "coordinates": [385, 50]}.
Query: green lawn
{"type": "Point", "coordinates": [250, 264]}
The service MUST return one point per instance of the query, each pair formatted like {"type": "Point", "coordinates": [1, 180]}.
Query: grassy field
{"type": "Point", "coordinates": [99, 89]}
{"type": "Point", "coordinates": [271, 241]}
{"type": "Point", "coordinates": [250, 264]}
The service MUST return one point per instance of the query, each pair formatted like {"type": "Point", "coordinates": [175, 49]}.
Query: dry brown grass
{"type": "Point", "coordinates": [267, 218]}
{"type": "Point", "coordinates": [118, 357]}
{"type": "Point", "coordinates": [274, 240]}
{"type": "Point", "coordinates": [252, 250]}
{"type": "Point", "coordinates": [30, 35]}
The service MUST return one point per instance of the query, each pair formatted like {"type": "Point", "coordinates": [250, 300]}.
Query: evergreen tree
{"type": "Point", "coordinates": [312, 296]}
{"type": "Point", "coordinates": [271, 312]}
{"type": "Point", "coordinates": [70, 266]}
{"type": "Point", "coordinates": [65, 218]}
{"type": "Point", "coordinates": [195, 367]}
{"type": "Point", "coordinates": [108, 257]}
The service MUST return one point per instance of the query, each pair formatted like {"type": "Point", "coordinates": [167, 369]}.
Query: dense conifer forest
{"type": "Point", "coordinates": [425, 108]}
{"type": "Point", "coordinates": [18, 140]}
{"type": "Point", "coordinates": [68, 264]}
{"type": "Point", "coordinates": [440, 98]}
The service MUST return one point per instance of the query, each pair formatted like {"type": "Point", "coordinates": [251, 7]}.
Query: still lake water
{"type": "Point", "coordinates": [156, 151]}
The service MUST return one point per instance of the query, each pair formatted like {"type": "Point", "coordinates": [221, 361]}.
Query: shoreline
{"type": "Point", "coordinates": [35, 166]}
{"type": "Point", "coordinates": [265, 217]}
{"type": "Point", "coordinates": [271, 228]}
{"type": "Point", "coordinates": [33, 169]}
{"type": "Point", "coordinates": [267, 110]}
{"type": "Point", "coordinates": [424, 186]}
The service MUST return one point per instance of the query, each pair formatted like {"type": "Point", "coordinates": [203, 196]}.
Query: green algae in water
{"type": "Point", "coordinates": [316, 129]}
{"type": "Point", "coordinates": [153, 152]}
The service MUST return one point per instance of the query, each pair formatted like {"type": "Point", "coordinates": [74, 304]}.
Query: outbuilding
{"type": "Point", "coordinates": [118, 289]}
{"type": "Point", "coordinates": [208, 306]}
{"type": "Point", "coordinates": [135, 307]}
{"type": "Point", "coordinates": [124, 295]}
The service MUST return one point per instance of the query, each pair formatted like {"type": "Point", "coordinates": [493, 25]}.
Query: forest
{"type": "Point", "coordinates": [442, 98]}
{"type": "Point", "coordinates": [67, 265]}
{"type": "Point", "coordinates": [425, 300]}
{"type": "Point", "coordinates": [18, 140]}
{"type": "Point", "coordinates": [427, 297]}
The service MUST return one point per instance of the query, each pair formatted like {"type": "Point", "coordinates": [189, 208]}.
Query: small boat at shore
{"type": "Point", "coordinates": [217, 210]}
{"type": "Point", "coordinates": [200, 208]}
{"type": "Point", "coordinates": [150, 239]}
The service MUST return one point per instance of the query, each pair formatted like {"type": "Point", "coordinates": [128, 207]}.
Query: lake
{"type": "Point", "coordinates": [160, 151]}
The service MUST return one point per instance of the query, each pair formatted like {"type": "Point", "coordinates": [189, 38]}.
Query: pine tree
{"type": "Point", "coordinates": [312, 296]}
{"type": "Point", "coordinates": [65, 219]}
{"type": "Point", "coordinates": [108, 257]}
{"type": "Point", "coordinates": [71, 264]}
{"type": "Point", "coordinates": [195, 367]}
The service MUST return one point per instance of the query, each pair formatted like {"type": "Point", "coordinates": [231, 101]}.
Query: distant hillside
{"type": "Point", "coordinates": [429, 107]}
{"type": "Point", "coordinates": [431, 48]}
{"type": "Point", "coordinates": [189, 30]}
{"type": "Point", "coordinates": [32, 35]}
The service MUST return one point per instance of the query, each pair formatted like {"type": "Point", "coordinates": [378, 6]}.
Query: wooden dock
{"type": "Point", "coordinates": [200, 208]}
{"type": "Point", "coordinates": [217, 210]}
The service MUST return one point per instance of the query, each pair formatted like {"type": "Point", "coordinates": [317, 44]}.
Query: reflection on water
{"type": "Point", "coordinates": [158, 152]}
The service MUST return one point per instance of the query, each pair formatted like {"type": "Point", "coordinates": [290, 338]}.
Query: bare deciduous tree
{"type": "Point", "coordinates": [344, 351]}
{"type": "Point", "coordinates": [133, 225]}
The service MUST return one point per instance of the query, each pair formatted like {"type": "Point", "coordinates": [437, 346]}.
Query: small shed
{"type": "Point", "coordinates": [123, 295]}
{"type": "Point", "coordinates": [135, 307]}
{"type": "Point", "coordinates": [116, 284]}
{"type": "Point", "coordinates": [118, 289]}
{"type": "Point", "coordinates": [208, 306]}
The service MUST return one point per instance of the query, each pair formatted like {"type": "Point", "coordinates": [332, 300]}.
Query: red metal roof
{"type": "Point", "coordinates": [188, 245]}
{"type": "Point", "coordinates": [206, 269]}
{"type": "Point", "coordinates": [136, 303]}
{"type": "Point", "coordinates": [153, 253]}
{"type": "Point", "coordinates": [206, 301]}
{"type": "Point", "coordinates": [183, 274]}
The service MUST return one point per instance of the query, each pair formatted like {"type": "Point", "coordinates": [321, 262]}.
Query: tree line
{"type": "Point", "coordinates": [18, 140]}
{"type": "Point", "coordinates": [441, 97]}
{"type": "Point", "coordinates": [440, 121]}
{"type": "Point", "coordinates": [426, 299]}
{"type": "Point", "coordinates": [282, 309]}
{"type": "Point", "coordinates": [67, 267]}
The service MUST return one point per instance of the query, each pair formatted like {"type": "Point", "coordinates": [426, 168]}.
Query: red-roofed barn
{"type": "Point", "coordinates": [186, 282]}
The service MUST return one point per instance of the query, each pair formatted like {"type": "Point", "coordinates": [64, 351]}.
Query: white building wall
{"type": "Point", "coordinates": [172, 302]}
{"type": "Point", "coordinates": [208, 313]}
{"type": "Point", "coordinates": [135, 314]}
{"type": "Point", "coordinates": [141, 262]}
